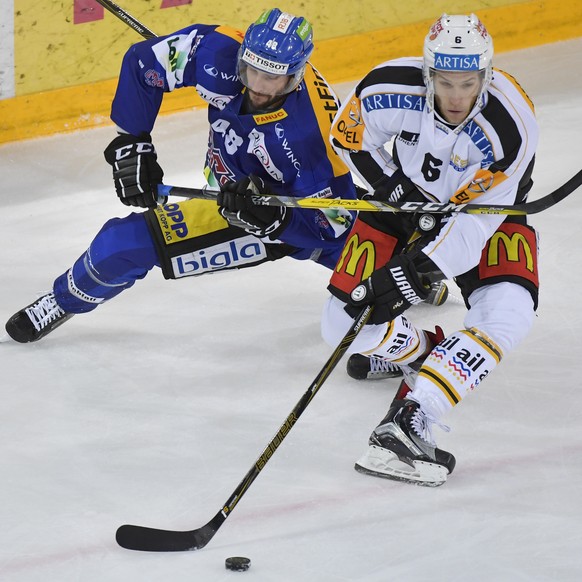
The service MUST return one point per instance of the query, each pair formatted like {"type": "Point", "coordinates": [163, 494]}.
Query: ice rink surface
{"type": "Point", "coordinates": [153, 408]}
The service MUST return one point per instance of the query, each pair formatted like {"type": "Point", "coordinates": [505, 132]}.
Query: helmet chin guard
{"type": "Point", "coordinates": [457, 43]}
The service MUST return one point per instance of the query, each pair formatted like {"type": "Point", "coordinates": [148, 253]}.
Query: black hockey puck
{"type": "Point", "coordinates": [237, 564]}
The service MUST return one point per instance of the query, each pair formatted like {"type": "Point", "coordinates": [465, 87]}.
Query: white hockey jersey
{"type": "Point", "coordinates": [385, 123]}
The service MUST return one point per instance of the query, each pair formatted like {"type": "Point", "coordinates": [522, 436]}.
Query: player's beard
{"type": "Point", "coordinates": [257, 102]}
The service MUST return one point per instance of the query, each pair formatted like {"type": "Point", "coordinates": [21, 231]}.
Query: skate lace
{"type": "Point", "coordinates": [382, 365]}
{"type": "Point", "coordinates": [45, 310]}
{"type": "Point", "coordinates": [422, 423]}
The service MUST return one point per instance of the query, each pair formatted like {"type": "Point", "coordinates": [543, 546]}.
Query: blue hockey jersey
{"type": "Point", "coordinates": [288, 148]}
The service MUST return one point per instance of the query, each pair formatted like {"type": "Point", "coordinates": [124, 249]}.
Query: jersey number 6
{"type": "Point", "coordinates": [430, 168]}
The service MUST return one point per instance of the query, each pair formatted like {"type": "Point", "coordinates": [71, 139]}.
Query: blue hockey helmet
{"type": "Point", "coordinates": [278, 43]}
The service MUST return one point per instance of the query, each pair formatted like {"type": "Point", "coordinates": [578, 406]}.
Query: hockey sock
{"type": "Point", "coordinates": [457, 365]}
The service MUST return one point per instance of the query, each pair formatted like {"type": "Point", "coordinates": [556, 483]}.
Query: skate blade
{"type": "Point", "coordinates": [5, 339]}
{"type": "Point", "coordinates": [380, 462]}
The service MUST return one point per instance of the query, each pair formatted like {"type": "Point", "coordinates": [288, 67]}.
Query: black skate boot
{"type": "Point", "coordinates": [36, 320]}
{"type": "Point", "coordinates": [363, 367]}
{"type": "Point", "coordinates": [402, 448]}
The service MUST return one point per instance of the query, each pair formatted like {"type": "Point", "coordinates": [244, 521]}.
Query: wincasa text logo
{"type": "Point", "coordinates": [228, 255]}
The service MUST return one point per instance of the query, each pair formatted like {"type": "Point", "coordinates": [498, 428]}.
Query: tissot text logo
{"type": "Point", "coordinates": [263, 64]}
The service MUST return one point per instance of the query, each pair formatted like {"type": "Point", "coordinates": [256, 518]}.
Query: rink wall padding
{"type": "Point", "coordinates": [56, 95]}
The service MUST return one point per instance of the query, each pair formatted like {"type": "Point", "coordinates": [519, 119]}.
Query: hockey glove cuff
{"type": "Point", "coordinates": [239, 204]}
{"type": "Point", "coordinates": [391, 289]}
{"type": "Point", "coordinates": [136, 172]}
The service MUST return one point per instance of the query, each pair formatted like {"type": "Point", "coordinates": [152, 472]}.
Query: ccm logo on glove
{"type": "Point", "coordinates": [138, 148]}
{"type": "Point", "coordinates": [136, 172]}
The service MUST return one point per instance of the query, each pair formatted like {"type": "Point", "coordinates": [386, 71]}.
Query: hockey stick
{"type": "Point", "coordinates": [127, 18]}
{"type": "Point", "coordinates": [369, 205]}
{"type": "Point", "coordinates": [136, 537]}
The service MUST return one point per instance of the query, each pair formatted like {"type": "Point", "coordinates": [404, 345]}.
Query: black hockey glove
{"type": "Point", "coordinates": [396, 187]}
{"type": "Point", "coordinates": [391, 289]}
{"type": "Point", "coordinates": [136, 172]}
{"type": "Point", "coordinates": [238, 204]}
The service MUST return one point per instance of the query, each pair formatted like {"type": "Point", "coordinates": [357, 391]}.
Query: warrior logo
{"type": "Point", "coordinates": [402, 283]}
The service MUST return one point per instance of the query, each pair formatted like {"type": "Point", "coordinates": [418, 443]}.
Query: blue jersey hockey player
{"type": "Point", "coordinates": [270, 113]}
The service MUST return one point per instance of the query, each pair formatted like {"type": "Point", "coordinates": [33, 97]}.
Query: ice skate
{"type": "Point", "coordinates": [373, 367]}
{"type": "Point", "coordinates": [36, 320]}
{"type": "Point", "coordinates": [362, 367]}
{"type": "Point", "coordinates": [402, 448]}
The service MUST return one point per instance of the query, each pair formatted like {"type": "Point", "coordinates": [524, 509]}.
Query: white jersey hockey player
{"type": "Point", "coordinates": [444, 127]}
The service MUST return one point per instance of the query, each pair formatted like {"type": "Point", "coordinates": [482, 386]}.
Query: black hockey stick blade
{"type": "Point", "coordinates": [370, 205]}
{"type": "Point", "coordinates": [147, 539]}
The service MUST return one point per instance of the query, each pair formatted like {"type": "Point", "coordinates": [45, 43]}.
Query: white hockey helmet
{"type": "Point", "coordinates": [457, 43]}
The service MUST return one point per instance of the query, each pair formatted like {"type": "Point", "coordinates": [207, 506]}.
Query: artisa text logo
{"type": "Point", "coordinates": [456, 62]}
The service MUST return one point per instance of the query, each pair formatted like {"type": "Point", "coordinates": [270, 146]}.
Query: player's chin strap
{"type": "Point", "coordinates": [135, 537]}
{"type": "Point", "coordinates": [370, 205]}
